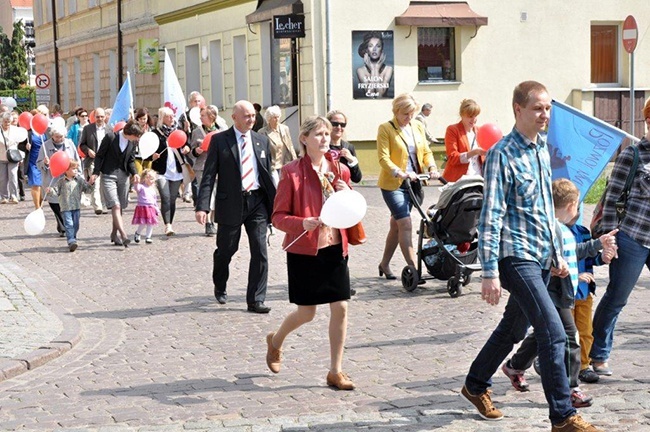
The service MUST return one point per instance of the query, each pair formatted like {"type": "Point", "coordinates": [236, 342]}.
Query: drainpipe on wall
{"type": "Point", "coordinates": [328, 40]}
{"type": "Point", "coordinates": [56, 53]}
{"type": "Point", "coordinates": [120, 79]}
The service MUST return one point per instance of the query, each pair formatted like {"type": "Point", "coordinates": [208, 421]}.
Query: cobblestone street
{"type": "Point", "coordinates": [133, 340]}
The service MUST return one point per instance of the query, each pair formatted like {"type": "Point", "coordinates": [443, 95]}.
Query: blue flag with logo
{"type": "Point", "coordinates": [580, 145]}
{"type": "Point", "coordinates": [123, 103]}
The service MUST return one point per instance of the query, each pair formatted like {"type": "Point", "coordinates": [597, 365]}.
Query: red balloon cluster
{"type": "Point", "coordinates": [205, 145]}
{"type": "Point", "coordinates": [59, 163]}
{"type": "Point", "coordinates": [177, 139]}
{"type": "Point", "coordinates": [25, 120]}
{"type": "Point", "coordinates": [39, 123]}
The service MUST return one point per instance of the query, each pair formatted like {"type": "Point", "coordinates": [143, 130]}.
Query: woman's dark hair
{"type": "Point", "coordinates": [363, 47]}
{"type": "Point", "coordinates": [141, 112]}
{"type": "Point", "coordinates": [132, 128]}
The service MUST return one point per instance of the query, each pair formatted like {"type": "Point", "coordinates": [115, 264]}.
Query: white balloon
{"type": "Point", "coordinates": [148, 144]}
{"type": "Point", "coordinates": [35, 222]}
{"type": "Point", "coordinates": [195, 116]}
{"type": "Point", "coordinates": [9, 102]}
{"type": "Point", "coordinates": [344, 209]}
{"type": "Point", "coordinates": [18, 134]}
{"type": "Point", "coordinates": [57, 121]}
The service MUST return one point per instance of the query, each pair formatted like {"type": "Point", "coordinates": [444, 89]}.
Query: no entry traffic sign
{"type": "Point", "coordinates": [630, 34]}
{"type": "Point", "coordinates": [42, 81]}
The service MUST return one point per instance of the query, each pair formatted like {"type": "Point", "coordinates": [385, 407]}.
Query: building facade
{"type": "Point", "coordinates": [442, 52]}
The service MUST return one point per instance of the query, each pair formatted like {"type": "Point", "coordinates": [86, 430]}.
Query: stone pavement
{"type": "Point", "coordinates": [132, 340]}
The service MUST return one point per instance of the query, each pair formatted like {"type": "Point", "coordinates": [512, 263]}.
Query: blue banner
{"type": "Point", "coordinates": [123, 103]}
{"type": "Point", "coordinates": [580, 146]}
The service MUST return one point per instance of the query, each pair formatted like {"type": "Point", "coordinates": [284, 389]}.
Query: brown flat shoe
{"type": "Point", "coordinates": [340, 381]}
{"type": "Point", "coordinates": [273, 355]}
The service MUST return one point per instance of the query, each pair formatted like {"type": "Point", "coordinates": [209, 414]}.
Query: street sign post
{"type": "Point", "coordinates": [42, 81]}
{"type": "Point", "coordinates": [630, 38]}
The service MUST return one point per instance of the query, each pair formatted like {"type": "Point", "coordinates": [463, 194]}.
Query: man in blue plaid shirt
{"type": "Point", "coordinates": [517, 248]}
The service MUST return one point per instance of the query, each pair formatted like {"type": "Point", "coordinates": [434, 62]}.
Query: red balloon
{"type": "Point", "coordinates": [177, 139]}
{"type": "Point", "coordinates": [205, 145]}
{"type": "Point", "coordinates": [488, 135]}
{"type": "Point", "coordinates": [40, 124]}
{"type": "Point", "coordinates": [119, 126]}
{"type": "Point", "coordinates": [59, 163]}
{"type": "Point", "coordinates": [25, 120]}
{"type": "Point", "coordinates": [91, 116]}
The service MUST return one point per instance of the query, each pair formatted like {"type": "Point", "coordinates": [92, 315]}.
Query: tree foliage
{"type": "Point", "coordinates": [13, 59]}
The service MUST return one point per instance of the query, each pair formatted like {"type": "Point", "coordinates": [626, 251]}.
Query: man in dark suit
{"type": "Point", "coordinates": [91, 137]}
{"type": "Point", "coordinates": [240, 161]}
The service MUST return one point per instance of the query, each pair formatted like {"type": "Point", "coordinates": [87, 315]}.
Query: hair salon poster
{"type": "Point", "coordinates": [373, 64]}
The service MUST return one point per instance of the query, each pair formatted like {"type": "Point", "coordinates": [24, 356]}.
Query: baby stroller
{"type": "Point", "coordinates": [447, 238]}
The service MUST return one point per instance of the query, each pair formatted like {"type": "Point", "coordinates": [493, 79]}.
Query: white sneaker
{"type": "Point", "coordinates": [187, 198]}
{"type": "Point", "coordinates": [168, 230]}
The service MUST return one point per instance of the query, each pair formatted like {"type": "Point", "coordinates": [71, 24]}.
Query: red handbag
{"type": "Point", "coordinates": [356, 234]}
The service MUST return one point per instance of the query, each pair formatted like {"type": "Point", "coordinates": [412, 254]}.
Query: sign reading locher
{"type": "Point", "coordinates": [288, 26]}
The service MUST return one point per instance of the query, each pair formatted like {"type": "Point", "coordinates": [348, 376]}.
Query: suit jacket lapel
{"type": "Point", "coordinates": [234, 146]}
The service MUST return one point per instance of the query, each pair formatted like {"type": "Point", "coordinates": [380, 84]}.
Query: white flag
{"type": "Point", "coordinates": [172, 91]}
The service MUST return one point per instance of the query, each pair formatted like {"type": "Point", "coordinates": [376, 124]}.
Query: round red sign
{"type": "Point", "coordinates": [630, 34]}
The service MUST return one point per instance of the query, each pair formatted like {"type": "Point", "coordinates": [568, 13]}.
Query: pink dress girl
{"type": "Point", "coordinates": [146, 212]}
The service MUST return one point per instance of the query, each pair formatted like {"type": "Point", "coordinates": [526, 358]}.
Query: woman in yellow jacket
{"type": "Point", "coordinates": [403, 153]}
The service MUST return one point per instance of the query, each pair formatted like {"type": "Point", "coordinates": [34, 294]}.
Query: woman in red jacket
{"type": "Point", "coordinates": [317, 255]}
{"type": "Point", "coordinates": [464, 156]}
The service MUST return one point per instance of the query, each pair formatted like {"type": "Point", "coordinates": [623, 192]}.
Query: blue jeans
{"type": "Point", "coordinates": [529, 303]}
{"type": "Point", "coordinates": [71, 224]}
{"type": "Point", "coordinates": [623, 274]}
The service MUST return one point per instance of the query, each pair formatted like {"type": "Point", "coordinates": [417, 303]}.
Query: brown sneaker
{"type": "Point", "coordinates": [575, 423]}
{"type": "Point", "coordinates": [340, 381]}
{"type": "Point", "coordinates": [273, 355]}
{"type": "Point", "coordinates": [483, 404]}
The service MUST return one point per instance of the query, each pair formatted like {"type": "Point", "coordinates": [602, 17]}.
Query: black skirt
{"type": "Point", "coordinates": [319, 279]}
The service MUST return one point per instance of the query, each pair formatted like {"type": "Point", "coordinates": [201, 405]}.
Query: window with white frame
{"type": "Point", "coordinates": [436, 54]}
{"type": "Point", "coordinates": [72, 7]}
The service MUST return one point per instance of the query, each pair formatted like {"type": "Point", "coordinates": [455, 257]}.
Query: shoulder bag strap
{"type": "Point", "coordinates": [414, 162]}
{"type": "Point", "coordinates": [621, 204]}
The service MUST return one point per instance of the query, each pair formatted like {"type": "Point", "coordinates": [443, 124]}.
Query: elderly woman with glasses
{"type": "Point", "coordinates": [58, 142]}
{"type": "Point", "coordinates": [280, 140]}
{"type": "Point", "coordinates": [210, 122]}
{"type": "Point", "coordinates": [342, 150]}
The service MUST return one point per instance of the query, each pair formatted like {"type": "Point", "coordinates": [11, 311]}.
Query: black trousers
{"type": "Point", "coordinates": [525, 355]}
{"type": "Point", "coordinates": [255, 220]}
{"type": "Point", "coordinates": [56, 209]}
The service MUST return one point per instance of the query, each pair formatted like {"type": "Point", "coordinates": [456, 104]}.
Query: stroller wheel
{"type": "Point", "coordinates": [410, 278]}
{"type": "Point", "coordinates": [454, 287]}
{"type": "Point", "coordinates": [468, 280]}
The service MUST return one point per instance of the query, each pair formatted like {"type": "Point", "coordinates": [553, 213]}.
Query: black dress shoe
{"type": "Point", "coordinates": [258, 307]}
{"type": "Point", "coordinates": [222, 298]}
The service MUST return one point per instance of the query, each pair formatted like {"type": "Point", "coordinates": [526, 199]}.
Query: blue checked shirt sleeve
{"type": "Point", "coordinates": [492, 213]}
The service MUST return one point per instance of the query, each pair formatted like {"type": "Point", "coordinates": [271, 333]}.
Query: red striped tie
{"type": "Point", "coordinates": [248, 176]}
